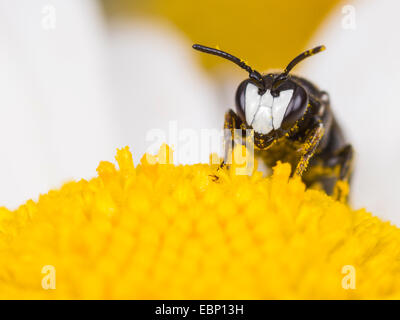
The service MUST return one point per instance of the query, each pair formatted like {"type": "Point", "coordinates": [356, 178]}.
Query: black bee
{"type": "Point", "coordinates": [292, 122]}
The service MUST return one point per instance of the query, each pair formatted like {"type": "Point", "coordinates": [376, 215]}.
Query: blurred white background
{"type": "Point", "coordinates": [74, 87]}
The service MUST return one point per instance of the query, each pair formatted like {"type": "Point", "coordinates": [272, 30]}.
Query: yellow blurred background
{"type": "Point", "coordinates": [266, 33]}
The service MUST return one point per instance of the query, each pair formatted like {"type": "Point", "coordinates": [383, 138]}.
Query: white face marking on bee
{"type": "Point", "coordinates": [265, 112]}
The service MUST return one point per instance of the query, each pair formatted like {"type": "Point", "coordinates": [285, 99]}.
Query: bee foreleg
{"type": "Point", "coordinates": [231, 125]}
{"type": "Point", "coordinates": [309, 148]}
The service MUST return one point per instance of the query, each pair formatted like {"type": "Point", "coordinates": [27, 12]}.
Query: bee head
{"type": "Point", "coordinates": [271, 104]}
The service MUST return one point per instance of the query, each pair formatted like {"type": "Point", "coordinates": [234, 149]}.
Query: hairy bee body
{"type": "Point", "coordinates": [330, 161]}
{"type": "Point", "coordinates": [292, 121]}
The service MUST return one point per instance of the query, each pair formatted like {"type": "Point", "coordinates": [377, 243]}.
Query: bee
{"type": "Point", "coordinates": [292, 121]}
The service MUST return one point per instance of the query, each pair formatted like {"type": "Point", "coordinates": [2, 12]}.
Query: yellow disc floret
{"type": "Point", "coordinates": [163, 231]}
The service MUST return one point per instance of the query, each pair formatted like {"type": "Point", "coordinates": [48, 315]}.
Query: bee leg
{"type": "Point", "coordinates": [231, 124]}
{"type": "Point", "coordinates": [343, 159]}
{"type": "Point", "coordinates": [309, 148]}
{"type": "Point", "coordinates": [332, 172]}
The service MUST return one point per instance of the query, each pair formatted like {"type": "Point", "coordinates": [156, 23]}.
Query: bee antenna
{"type": "Point", "coordinates": [294, 62]}
{"type": "Point", "coordinates": [253, 74]}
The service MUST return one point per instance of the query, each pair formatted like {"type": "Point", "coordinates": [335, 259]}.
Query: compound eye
{"type": "Point", "coordinates": [296, 108]}
{"type": "Point", "coordinates": [241, 99]}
